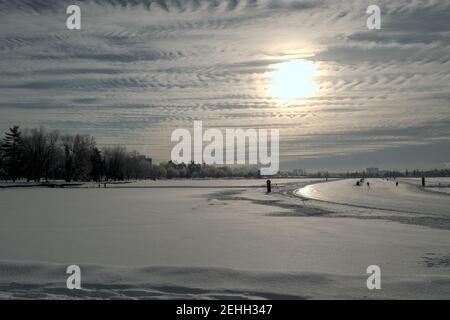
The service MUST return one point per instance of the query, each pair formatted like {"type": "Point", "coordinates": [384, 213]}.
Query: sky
{"type": "Point", "coordinates": [139, 69]}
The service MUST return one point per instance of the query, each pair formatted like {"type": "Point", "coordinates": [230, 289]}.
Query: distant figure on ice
{"type": "Point", "coordinates": [269, 186]}
{"type": "Point", "coordinates": [396, 184]}
{"type": "Point", "coordinates": [423, 182]}
{"type": "Point", "coordinates": [368, 184]}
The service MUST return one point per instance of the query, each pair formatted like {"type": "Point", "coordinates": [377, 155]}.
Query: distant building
{"type": "Point", "coordinates": [142, 157]}
{"type": "Point", "coordinates": [298, 172]}
{"type": "Point", "coordinates": [373, 171]}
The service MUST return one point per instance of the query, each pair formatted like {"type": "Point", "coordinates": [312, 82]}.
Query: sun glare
{"type": "Point", "coordinates": [293, 80]}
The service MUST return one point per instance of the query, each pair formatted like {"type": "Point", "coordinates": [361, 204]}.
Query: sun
{"type": "Point", "coordinates": [292, 80]}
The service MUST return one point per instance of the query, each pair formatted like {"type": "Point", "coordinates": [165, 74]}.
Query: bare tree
{"type": "Point", "coordinates": [115, 159]}
{"type": "Point", "coordinates": [35, 153]}
{"type": "Point", "coordinates": [67, 142]}
{"type": "Point", "coordinates": [83, 146]}
{"type": "Point", "coordinates": [51, 152]}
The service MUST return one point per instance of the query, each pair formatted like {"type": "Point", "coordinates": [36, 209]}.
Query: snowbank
{"type": "Point", "coordinates": [47, 281]}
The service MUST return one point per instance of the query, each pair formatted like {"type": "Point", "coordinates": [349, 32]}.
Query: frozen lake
{"type": "Point", "coordinates": [218, 236]}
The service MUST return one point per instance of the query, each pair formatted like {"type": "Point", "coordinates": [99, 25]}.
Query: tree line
{"type": "Point", "coordinates": [39, 154]}
{"type": "Point", "coordinates": [416, 173]}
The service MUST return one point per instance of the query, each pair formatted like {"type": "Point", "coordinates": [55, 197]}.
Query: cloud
{"type": "Point", "coordinates": [139, 69]}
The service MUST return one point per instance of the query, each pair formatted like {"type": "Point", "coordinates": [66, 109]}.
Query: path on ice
{"type": "Point", "coordinates": [382, 194]}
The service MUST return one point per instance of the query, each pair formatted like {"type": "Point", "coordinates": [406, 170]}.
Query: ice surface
{"type": "Point", "coordinates": [226, 240]}
{"type": "Point", "coordinates": [382, 194]}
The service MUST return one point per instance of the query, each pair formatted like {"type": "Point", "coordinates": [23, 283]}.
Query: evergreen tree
{"type": "Point", "coordinates": [11, 148]}
{"type": "Point", "coordinates": [2, 167]}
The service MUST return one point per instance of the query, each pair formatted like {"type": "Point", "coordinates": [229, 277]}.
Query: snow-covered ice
{"type": "Point", "coordinates": [219, 239]}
